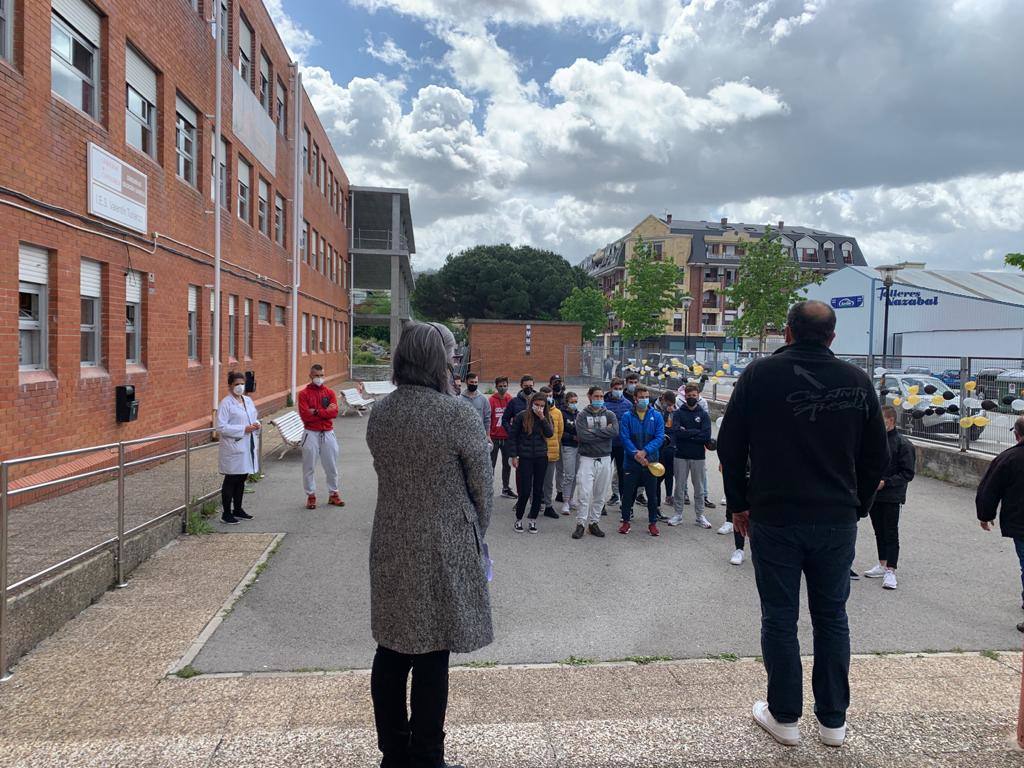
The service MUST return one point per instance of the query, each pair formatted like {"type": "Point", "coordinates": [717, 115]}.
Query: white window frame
{"type": "Point", "coordinates": [280, 315]}
{"type": "Point", "coordinates": [186, 132]}
{"type": "Point", "coordinates": [193, 323]}
{"type": "Point", "coordinates": [92, 79]}
{"type": "Point", "coordinates": [213, 322]}
{"type": "Point", "coordinates": [39, 326]}
{"type": "Point", "coordinates": [232, 328]}
{"type": "Point", "coordinates": [264, 312]}
{"type": "Point", "coordinates": [144, 88]}
{"type": "Point", "coordinates": [247, 330]}
{"type": "Point", "coordinates": [305, 336]}
{"type": "Point", "coordinates": [266, 82]}
{"type": "Point", "coordinates": [133, 351]}
{"type": "Point", "coordinates": [7, 30]}
{"type": "Point", "coordinates": [263, 207]}
{"type": "Point", "coordinates": [244, 56]}
{"type": "Point", "coordinates": [94, 328]}
{"type": "Point", "coordinates": [282, 108]}
{"type": "Point", "coordinates": [323, 347]}
{"type": "Point", "coordinates": [244, 191]}
{"type": "Point", "coordinates": [314, 343]}
{"type": "Point", "coordinates": [280, 219]}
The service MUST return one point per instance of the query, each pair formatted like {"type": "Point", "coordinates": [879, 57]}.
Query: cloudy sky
{"type": "Point", "coordinates": [561, 123]}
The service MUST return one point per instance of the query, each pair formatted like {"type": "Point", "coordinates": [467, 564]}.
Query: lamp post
{"type": "Point", "coordinates": [687, 301]}
{"type": "Point", "coordinates": [887, 272]}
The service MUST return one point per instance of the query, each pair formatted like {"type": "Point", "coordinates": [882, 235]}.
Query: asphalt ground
{"type": "Point", "coordinates": [553, 598]}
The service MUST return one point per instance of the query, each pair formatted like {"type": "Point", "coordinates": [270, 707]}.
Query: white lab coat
{"type": "Point", "coordinates": [239, 452]}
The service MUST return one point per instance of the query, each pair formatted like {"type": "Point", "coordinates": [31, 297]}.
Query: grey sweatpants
{"type": "Point", "coordinates": [692, 469]}
{"type": "Point", "coordinates": [322, 446]}
{"type": "Point", "coordinates": [569, 461]}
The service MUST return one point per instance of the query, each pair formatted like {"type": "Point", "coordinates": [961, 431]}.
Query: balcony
{"type": "Point", "coordinates": [713, 330]}
{"type": "Point", "coordinates": [377, 240]}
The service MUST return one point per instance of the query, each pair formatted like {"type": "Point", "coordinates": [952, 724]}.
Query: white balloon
{"type": "Point", "coordinates": [1017, 405]}
{"type": "Point", "coordinates": [879, 371]}
{"type": "Point", "coordinates": [907, 406]}
{"type": "Point", "coordinates": [972, 402]}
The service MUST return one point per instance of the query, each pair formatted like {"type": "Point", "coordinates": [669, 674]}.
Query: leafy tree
{"type": "Point", "coordinates": [1015, 260]}
{"type": "Point", "coordinates": [588, 306]}
{"type": "Point", "coordinates": [651, 287]}
{"type": "Point", "coordinates": [769, 283]}
{"type": "Point", "coordinates": [498, 282]}
{"type": "Point", "coordinates": [373, 332]}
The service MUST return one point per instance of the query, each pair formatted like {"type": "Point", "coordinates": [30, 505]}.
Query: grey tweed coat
{"type": "Point", "coordinates": [435, 489]}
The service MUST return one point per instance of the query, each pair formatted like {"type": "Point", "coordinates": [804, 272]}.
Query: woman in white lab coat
{"type": "Point", "coordinates": [239, 426]}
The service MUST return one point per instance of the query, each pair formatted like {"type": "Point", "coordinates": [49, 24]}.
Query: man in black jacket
{"type": "Point", "coordinates": [519, 403]}
{"type": "Point", "coordinates": [812, 428]}
{"type": "Point", "coordinates": [892, 493]}
{"type": "Point", "coordinates": [1002, 489]}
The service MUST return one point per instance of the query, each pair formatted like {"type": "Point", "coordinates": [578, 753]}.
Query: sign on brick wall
{"type": "Point", "coordinates": [117, 192]}
{"type": "Point", "coordinates": [529, 334]}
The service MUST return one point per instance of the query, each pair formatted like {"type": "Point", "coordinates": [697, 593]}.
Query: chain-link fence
{"type": "Point", "coordinates": [966, 402]}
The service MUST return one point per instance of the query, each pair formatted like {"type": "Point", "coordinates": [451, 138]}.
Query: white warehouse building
{"type": "Point", "coordinates": [931, 312]}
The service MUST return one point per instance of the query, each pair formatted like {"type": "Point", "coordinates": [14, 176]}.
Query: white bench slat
{"type": "Point", "coordinates": [291, 429]}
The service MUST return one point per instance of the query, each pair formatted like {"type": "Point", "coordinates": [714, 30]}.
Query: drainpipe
{"type": "Point", "coordinates": [217, 203]}
{"type": "Point", "coordinates": [297, 219]}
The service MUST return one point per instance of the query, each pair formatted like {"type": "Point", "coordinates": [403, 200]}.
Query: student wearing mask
{"type": "Point", "coordinates": [596, 427]}
{"type": "Point", "coordinates": [318, 408]}
{"type": "Point", "coordinates": [554, 453]}
{"type": "Point", "coordinates": [666, 406]}
{"type": "Point", "coordinates": [632, 382]}
{"type": "Point", "coordinates": [708, 504]}
{"type": "Point", "coordinates": [519, 403]}
{"type": "Point", "coordinates": [238, 452]}
{"type": "Point", "coordinates": [570, 453]}
{"type": "Point", "coordinates": [528, 448]}
{"type": "Point", "coordinates": [691, 427]}
{"type": "Point", "coordinates": [499, 435]}
{"type": "Point", "coordinates": [476, 400]}
{"type": "Point", "coordinates": [617, 403]}
{"type": "Point", "coordinates": [642, 432]}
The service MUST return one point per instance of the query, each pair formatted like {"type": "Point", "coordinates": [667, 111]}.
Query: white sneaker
{"type": "Point", "coordinates": [786, 734]}
{"type": "Point", "coordinates": [724, 502]}
{"type": "Point", "coordinates": [567, 510]}
{"type": "Point", "coordinates": [737, 557]}
{"type": "Point", "coordinates": [675, 520]}
{"type": "Point", "coordinates": [832, 737]}
{"type": "Point", "coordinates": [702, 522]}
{"type": "Point", "coordinates": [726, 528]}
{"type": "Point", "coordinates": [875, 573]}
{"type": "Point", "coordinates": [889, 581]}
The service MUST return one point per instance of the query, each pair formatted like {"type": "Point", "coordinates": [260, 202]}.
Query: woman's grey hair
{"type": "Point", "coordinates": [423, 357]}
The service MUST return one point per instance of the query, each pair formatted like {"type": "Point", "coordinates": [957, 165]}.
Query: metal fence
{"type": "Point", "coordinates": [113, 461]}
{"type": "Point", "coordinates": [986, 394]}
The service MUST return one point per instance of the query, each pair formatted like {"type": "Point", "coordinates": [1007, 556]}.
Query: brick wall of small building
{"type": "Point", "coordinates": [498, 348]}
{"type": "Point", "coordinates": [43, 155]}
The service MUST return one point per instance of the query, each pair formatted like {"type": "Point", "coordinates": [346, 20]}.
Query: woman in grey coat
{"type": "Point", "coordinates": [428, 587]}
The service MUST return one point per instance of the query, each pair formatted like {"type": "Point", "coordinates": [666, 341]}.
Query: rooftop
{"type": "Point", "coordinates": [1006, 287]}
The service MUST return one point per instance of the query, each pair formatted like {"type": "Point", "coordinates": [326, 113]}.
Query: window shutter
{"type": "Point", "coordinates": [245, 38]}
{"type": "Point", "coordinates": [187, 111]}
{"type": "Point", "coordinates": [265, 68]}
{"type": "Point", "coordinates": [264, 191]}
{"type": "Point", "coordinates": [231, 306]}
{"type": "Point", "coordinates": [82, 16]}
{"type": "Point", "coordinates": [133, 287]}
{"type": "Point", "coordinates": [33, 264]}
{"type": "Point", "coordinates": [248, 307]}
{"type": "Point", "coordinates": [90, 278]}
{"type": "Point", "coordinates": [140, 75]}
{"type": "Point", "coordinates": [213, 301]}
{"type": "Point", "coordinates": [193, 298]}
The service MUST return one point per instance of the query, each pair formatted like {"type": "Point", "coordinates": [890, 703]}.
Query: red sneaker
{"type": "Point", "coordinates": [653, 529]}
{"type": "Point", "coordinates": [624, 529]}
{"type": "Point", "coordinates": [335, 500]}
{"type": "Point", "coordinates": [311, 501]}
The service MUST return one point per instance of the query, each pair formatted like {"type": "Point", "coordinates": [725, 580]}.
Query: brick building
{"type": "Point", "coordinates": [516, 347]}
{"type": "Point", "coordinates": [107, 174]}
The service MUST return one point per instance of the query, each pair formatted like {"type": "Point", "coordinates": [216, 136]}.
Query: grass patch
{"type": "Point", "coordinates": [958, 649]}
{"type": "Point", "coordinates": [577, 661]}
{"type": "Point", "coordinates": [187, 671]}
{"type": "Point", "coordinates": [480, 664]}
{"type": "Point", "coordinates": [990, 655]}
{"type": "Point", "coordinates": [643, 660]}
{"type": "Point", "coordinates": [724, 657]}
{"type": "Point", "coordinates": [197, 524]}
{"type": "Point", "coordinates": [930, 650]}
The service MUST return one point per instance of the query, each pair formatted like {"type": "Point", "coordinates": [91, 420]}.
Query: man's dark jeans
{"type": "Point", "coordinates": [1018, 544]}
{"type": "Point", "coordinates": [633, 479]}
{"type": "Point", "coordinates": [824, 555]}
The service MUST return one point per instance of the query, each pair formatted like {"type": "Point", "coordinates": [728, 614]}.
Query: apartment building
{"type": "Point", "coordinates": [709, 254]}
{"type": "Point", "coordinates": [108, 173]}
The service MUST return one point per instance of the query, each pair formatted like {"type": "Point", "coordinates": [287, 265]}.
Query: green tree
{"type": "Point", "coordinates": [651, 288]}
{"type": "Point", "coordinates": [769, 283]}
{"type": "Point", "coordinates": [588, 306]}
{"type": "Point", "coordinates": [1015, 260]}
{"type": "Point", "coordinates": [499, 282]}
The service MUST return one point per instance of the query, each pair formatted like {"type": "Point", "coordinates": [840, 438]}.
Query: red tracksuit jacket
{"type": "Point", "coordinates": [311, 409]}
{"type": "Point", "coordinates": [498, 406]}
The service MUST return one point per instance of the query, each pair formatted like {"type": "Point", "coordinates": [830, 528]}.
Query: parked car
{"type": "Point", "coordinates": [898, 384]}
{"type": "Point", "coordinates": [950, 377]}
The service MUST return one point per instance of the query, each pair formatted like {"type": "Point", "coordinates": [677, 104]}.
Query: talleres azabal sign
{"type": "Point", "coordinates": [899, 297]}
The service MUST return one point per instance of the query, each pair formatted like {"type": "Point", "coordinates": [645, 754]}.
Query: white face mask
{"type": "Point", "coordinates": [319, 381]}
{"type": "Point", "coordinates": [238, 389]}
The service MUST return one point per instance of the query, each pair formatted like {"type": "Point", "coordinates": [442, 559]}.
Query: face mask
{"type": "Point", "coordinates": [597, 403]}
{"type": "Point", "coordinates": [691, 401]}
{"type": "Point", "coordinates": [502, 390]}
{"type": "Point", "coordinates": [557, 386]}
{"type": "Point", "coordinates": [539, 410]}
{"type": "Point", "coordinates": [616, 394]}
{"type": "Point", "coordinates": [643, 402]}
{"type": "Point", "coordinates": [319, 381]}
{"type": "Point", "coordinates": [528, 390]}
{"type": "Point", "coordinates": [472, 387]}
{"type": "Point", "coordinates": [238, 389]}
{"type": "Point", "coordinates": [550, 400]}
{"type": "Point", "coordinates": [631, 387]}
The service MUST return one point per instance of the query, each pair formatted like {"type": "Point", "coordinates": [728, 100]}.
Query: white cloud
{"type": "Point", "coordinates": [785, 26]}
{"type": "Point", "coordinates": [296, 39]}
{"type": "Point", "coordinates": [388, 52]}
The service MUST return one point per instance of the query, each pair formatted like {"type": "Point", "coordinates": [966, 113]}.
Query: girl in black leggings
{"type": "Point", "coordinates": [528, 448]}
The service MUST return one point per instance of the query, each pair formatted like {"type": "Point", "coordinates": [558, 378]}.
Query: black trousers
{"type": "Point", "coordinates": [506, 469]}
{"type": "Point", "coordinates": [638, 477]}
{"type": "Point", "coordinates": [231, 492]}
{"type": "Point", "coordinates": [530, 485]}
{"type": "Point", "coordinates": [885, 519]}
{"type": "Point", "coordinates": [415, 741]}
{"type": "Point", "coordinates": [737, 538]}
{"type": "Point", "coordinates": [617, 457]}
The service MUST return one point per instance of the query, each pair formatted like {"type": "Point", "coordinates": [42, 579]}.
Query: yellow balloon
{"type": "Point", "coordinates": [981, 421]}
{"type": "Point", "coordinates": [726, 366]}
{"type": "Point", "coordinates": [938, 400]}
{"type": "Point", "coordinates": [720, 373]}
{"type": "Point", "coordinates": [912, 390]}
{"type": "Point", "coordinates": [677, 362]}
{"type": "Point", "coordinates": [970, 386]}
{"type": "Point", "coordinates": [913, 399]}
{"type": "Point", "coordinates": [897, 400]}
{"type": "Point", "coordinates": [644, 362]}
{"type": "Point", "coordinates": [966, 421]}
{"type": "Point", "coordinates": [698, 369]}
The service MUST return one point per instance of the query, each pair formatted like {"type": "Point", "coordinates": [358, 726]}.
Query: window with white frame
{"type": "Point", "coordinates": [74, 54]}
{"type": "Point", "coordinates": [282, 108]}
{"type": "Point", "coordinates": [315, 172]}
{"type": "Point", "coordinates": [266, 99]}
{"type": "Point", "coordinates": [140, 103]}
{"type": "Point", "coordinates": [219, 172]}
{"type": "Point", "coordinates": [322, 178]}
{"type": "Point", "coordinates": [33, 287]}
{"type": "Point", "coordinates": [314, 345]}
{"type": "Point", "coordinates": [279, 314]}
{"type": "Point", "coordinates": [244, 187]}
{"type": "Point", "coordinates": [305, 241]}
{"type": "Point", "coordinates": [314, 250]}
{"type": "Point", "coordinates": [245, 50]}
{"type": "Point", "coordinates": [185, 134]}
{"type": "Point", "coordinates": [280, 220]}
{"type": "Point", "coordinates": [232, 328]}
{"type": "Point", "coordinates": [133, 317]}
{"type": "Point", "coordinates": [847, 253]}
{"type": "Point", "coordinates": [263, 208]}
{"type": "Point", "coordinates": [6, 29]}
{"type": "Point", "coordinates": [224, 28]}
{"type": "Point", "coordinates": [330, 336]}
{"type": "Point", "coordinates": [304, 334]}
{"type": "Point", "coordinates": [321, 262]}
{"type": "Point", "coordinates": [90, 284]}
{"type": "Point", "coordinates": [247, 330]}
{"type": "Point", "coordinates": [193, 322]}
{"type": "Point", "coordinates": [213, 321]}
{"type": "Point", "coordinates": [322, 346]}
{"type": "Point", "coordinates": [305, 148]}
{"type": "Point", "coordinates": [264, 315]}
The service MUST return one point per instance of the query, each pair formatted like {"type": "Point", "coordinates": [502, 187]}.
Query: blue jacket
{"type": "Point", "coordinates": [637, 435]}
{"type": "Point", "coordinates": [620, 407]}
{"type": "Point", "coordinates": [691, 430]}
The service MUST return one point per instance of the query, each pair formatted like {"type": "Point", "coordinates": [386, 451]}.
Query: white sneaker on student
{"type": "Point", "coordinates": [726, 528]}
{"type": "Point", "coordinates": [889, 581]}
{"type": "Point", "coordinates": [875, 573]}
{"type": "Point", "coordinates": [675, 520]}
{"type": "Point", "coordinates": [567, 510]}
{"type": "Point", "coordinates": [832, 737]}
{"type": "Point", "coordinates": [724, 502]}
{"type": "Point", "coordinates": [737, 557]}
{"type": "Point", "coordinates": [787, 734]}
{"type": "Point", "coordinates": [702, 522]}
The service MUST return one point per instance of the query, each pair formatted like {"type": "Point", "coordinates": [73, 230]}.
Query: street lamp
{"type": "Point", "coordinates": [687, 301]}
{"type": "Point", "coordinates": [888, 272]}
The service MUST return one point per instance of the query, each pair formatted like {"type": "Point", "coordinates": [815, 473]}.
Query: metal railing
{"type": "Point", "coordinates": [194, 440]}
{"type": "Point", "coordinates": [378, 240]}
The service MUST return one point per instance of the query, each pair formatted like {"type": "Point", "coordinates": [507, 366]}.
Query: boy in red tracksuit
{"type": "Point", "coordinates": [498, 434]}
{"type": "Point", "coordinates": [318, 407]}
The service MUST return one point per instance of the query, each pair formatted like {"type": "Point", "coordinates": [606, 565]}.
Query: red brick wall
{"type": "Point", "coordinates": [499, 349]}
{"type": "Point", "coordinates": [43, 148]}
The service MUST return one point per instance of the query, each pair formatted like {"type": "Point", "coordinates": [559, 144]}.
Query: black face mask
{"type": "Point", "coordinates": [471, 387]}
{"type": "Point", "coordinates": [528, 390]}
{"type": "Point", "coordinates": [691, 401]}
{"type": "Point", "coordinates": [557, 386]}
